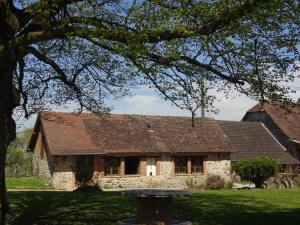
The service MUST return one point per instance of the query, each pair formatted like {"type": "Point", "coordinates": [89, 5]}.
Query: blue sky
{"type": "Point", "coordinates": [145, 101]}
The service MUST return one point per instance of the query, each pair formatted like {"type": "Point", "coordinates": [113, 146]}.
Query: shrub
{"type": "Point", "coordinates": [215, 182]}
{"type": "Point", "coordinates": [297, 180]}
{"type": "Point", "coordinates": [18, 162]}
{"type": "Point", "coordinates": [195, 183]}
{"type": "Point", "coordinates": [256, 169]}
{"type": "Point", "coordinates": [189, 183]}
{"type": "Point", "coordinates": [228, 184]}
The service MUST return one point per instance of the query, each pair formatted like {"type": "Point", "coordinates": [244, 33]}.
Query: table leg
{"type": "Point", "coordinates": [153, 210]}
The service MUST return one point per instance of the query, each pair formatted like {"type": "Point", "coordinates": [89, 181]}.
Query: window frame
{"type": "Point", "coordinates": [201, 158]}
{"type": "Point", "coordinates": [186, 159]}
{"type": "Point", "coordinates": [111, 168]}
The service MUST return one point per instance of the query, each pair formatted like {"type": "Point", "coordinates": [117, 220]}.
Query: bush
{"type": "Point", "coordinates": [256, 169]}
{"type": "Point", "coordinates": [189, 183]}
{"type": "Point", "coordinates": [18, 163]}
{"type": "Point", "coordinates": [215, 182]}
{"type": "Point", "coordinates": [228, 184]}
{"type": "Point", "coordinates": [297, 180]}
{"type": "Point", "coordinates": [281, 181]}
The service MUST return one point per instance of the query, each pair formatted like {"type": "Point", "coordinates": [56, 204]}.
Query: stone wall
{"type": "Point", "coordinates": [64, 173]}
{"type": "Point", "coordinates": [42, 162]}
{"type": "Point", "coordinates": [180, 182]}
{"type": "Point", "coordinates": [215, 164]}
{"type": "Point", "coordinates": [166, 166]}
{"type": "Point", "coordinates": [218, 164]}
{"type": "Point", "coordinates": [57, 171]}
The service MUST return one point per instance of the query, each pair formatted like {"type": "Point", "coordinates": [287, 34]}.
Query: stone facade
{"type": "Point", "coordinates": [59, 171]}
{"type": "Point", "coordinates": [42, 163]}
{"type": "Point", "coordinates": [215, 164]}
{"type": "Point", "coordinates": [178, 181]}
{"type": "Point", "coordinates": [64, 173]}
{"type": "Point", "coordinates": [166, 166]}
{"type": "Point", "coordinates": [218, 164]}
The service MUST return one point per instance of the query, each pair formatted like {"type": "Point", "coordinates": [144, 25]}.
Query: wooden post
{"type": "Point", "coordinates": [189, 166]}
{"type": "Point", "coordinates": [158, 160]}
{"type": "Point", "coordinates": [122, 167]}
{"type": "Point", "coordinates": [205, 165]}
{"type": "Point", "coordinates": [173, 166]}
{"type": "Point", "coordinates": [143, 167]}
{"type": "Point", "coordinates": [101, 166]}
{"type": "Point", "coordinates": [98, 166]}
{"type": "Point", "coordinates": [74, 170]}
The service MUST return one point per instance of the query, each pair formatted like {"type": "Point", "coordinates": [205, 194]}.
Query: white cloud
{"type": "Point", "coordinates": [147, 105]}
{"type": "Point", "coordinates": [230, 109]}
{"type": "Point", "coordinates": [147, 102]}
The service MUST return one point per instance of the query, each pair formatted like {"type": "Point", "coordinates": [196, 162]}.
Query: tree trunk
{"type": "Point", "coordinates": [8, 101]}
{"type": "Point", "coordinates": [3, 194]}
{"type": "Point", "coordinates": [259, 183]}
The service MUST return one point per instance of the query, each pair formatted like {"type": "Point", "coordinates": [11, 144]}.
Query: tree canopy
{"type": "Point", "coordinates": [86, 50]}
{"type": "Point", "coordinates": [56, 51]}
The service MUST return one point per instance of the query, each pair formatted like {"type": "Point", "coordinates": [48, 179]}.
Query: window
{"type": "Point", "coordinates": [111, 166]}
{"type": "Point", "coordinates": [132, 165]}
{"type": "Point", "coordinates": [197, 164]}
{"type": "Point", "coordinates": [181, 165]}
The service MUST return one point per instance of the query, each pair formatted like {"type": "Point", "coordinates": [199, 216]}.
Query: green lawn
{"type": "Point", "coordinates": [25, 183]}
{"type": "Point", "coordinates": [227, 207]}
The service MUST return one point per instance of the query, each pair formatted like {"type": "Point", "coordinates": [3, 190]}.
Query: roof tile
{"type": "Point", "coordinates": [67, 134]}
{"type": "Point", "coordinates": [253, 139]}
{"type": "Point", "coordinates": [287, 118]}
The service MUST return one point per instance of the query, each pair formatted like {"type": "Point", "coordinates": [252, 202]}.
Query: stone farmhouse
{"type": "Point", "coordinates": [282, 122]}
{"type": "Point", "coordinates": [131, 151]}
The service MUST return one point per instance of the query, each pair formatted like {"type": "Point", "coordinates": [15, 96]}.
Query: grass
{"type": "Point", "coordinates": [225, 207]}
{"type": "Point", "coordinates": [25, 183]}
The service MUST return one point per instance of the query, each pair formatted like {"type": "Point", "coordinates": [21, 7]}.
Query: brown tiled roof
{"type": "Point", "coordinates": [286, 118]}
{"type": "Point", "coordinates": [253, 139]}
{"type": "Point", "coordinates": [67, 134]}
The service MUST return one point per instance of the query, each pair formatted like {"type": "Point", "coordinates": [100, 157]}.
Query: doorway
{"type": "Point", "coordinates": [151, 166]}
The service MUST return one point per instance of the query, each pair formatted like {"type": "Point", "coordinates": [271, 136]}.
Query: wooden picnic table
{"type": "Point", "coordinates": [154, 206]}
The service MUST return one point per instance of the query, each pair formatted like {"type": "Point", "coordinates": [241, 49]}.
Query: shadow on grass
{"type": "Point", "coordinates": [207, 208]}
{"type": "Point", "coordinates": [69, 208]}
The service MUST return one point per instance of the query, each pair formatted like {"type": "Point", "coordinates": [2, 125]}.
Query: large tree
{"type": "Point", "coordinates": [56, 51]}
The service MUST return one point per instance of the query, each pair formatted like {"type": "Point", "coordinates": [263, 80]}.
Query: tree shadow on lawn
{"type": "Point", "coordinates": [69, 208]}
{"type": "Point", "coordinates": [107, 208]}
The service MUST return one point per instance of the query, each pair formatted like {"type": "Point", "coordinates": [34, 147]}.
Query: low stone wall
{"type": "Point", "coordinates": [180, 182]}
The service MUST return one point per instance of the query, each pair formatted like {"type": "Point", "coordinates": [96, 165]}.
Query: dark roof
{"type": "Point", "coordinates": [253, 139]}
{"type": "Point", "coordinates": [287, 118]}
{"type": "Point", "coordinates": [70, 134]}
